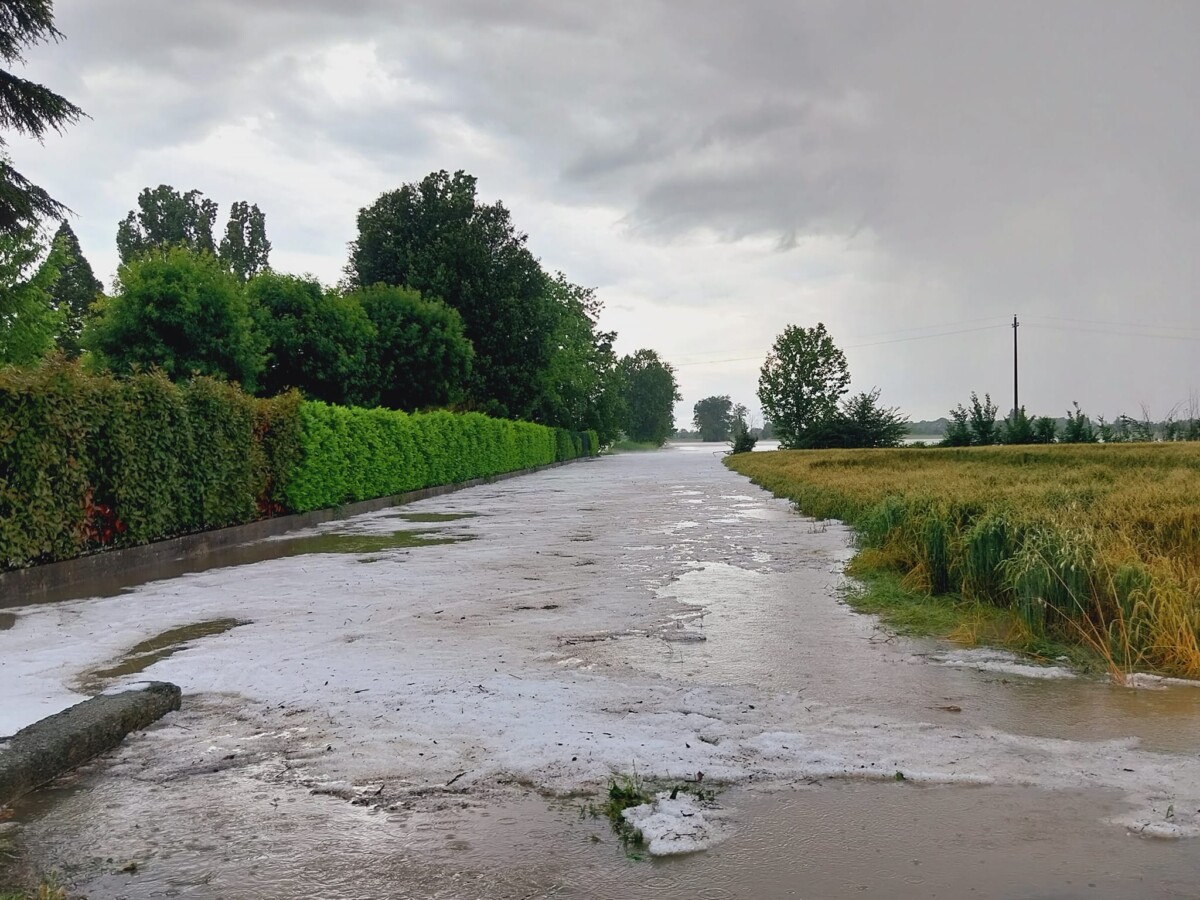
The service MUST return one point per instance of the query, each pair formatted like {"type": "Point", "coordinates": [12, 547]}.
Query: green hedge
{"type": "Point", "coordinates": [355, 454]}
{"type": "Point", "coordinates": [94, 461]}
{"type": "Point", "coordinates": [88, 462]}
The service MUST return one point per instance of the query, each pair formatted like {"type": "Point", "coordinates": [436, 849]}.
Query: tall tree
{"type": "Point", "coordinates": [245, 248]}
{"type": "Point", "coordinates": [436, 237]}
{"type": "Point", "coordinates": [713, 418]}
{"type": "Point", "coordinates": [167, 218]}
{"type": "Point", "coordinates": [29, 109]}
{"type": "Point", "coordinates": [578, 387]}
{"type": "Point", "coordinates": [181, 311]}
{"type": "Point", "coordinates": [650, 393]}
{"type": "Point", "coordinates": [316, 341]}
{"type": "Point", "coordinates": [801, 382]}
{"type": "Point", "coordinates": [419, 356]}
{"type": "Point", "coordinates": [29, 320]}
{"type": "Point", "coordinates": [75, 290]}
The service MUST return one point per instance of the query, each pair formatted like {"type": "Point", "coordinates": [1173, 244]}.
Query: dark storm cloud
{"type": "Point", "coordinates": [992, 156]}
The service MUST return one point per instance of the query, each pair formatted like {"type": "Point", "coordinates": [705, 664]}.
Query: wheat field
{"type": "Point", "coordinates": [1094, 543]}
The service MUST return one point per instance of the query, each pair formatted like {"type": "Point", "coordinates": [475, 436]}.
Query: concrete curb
{"type": "Point", "coordinates": [110, 570]}
{"type": "Point", "coordinates": [44, 750]}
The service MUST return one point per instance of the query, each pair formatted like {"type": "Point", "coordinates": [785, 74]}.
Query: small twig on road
{"type": "Point", "coordinates": [455, 778]}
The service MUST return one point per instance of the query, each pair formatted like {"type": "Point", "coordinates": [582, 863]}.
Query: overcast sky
{"type": "Point", "coordinates": [716, 170]}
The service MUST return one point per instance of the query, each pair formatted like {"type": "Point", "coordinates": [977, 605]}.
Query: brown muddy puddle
{"type": "Point", "coordinates": [7, 621]}
{"type": "Point", "coordinates": [832, 840]}
{"type": "Point", "coordinates": [431, 517]}
{"type": "Point", "coordinates": [366, 544]}
{"type": "Point", "coordinates": [750, 628]}
{"type": "Point", "coordinates": [146, 653]}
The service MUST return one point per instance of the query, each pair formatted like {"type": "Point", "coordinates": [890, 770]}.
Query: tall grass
{"type": "Point", "coordinates": [1098, 544]}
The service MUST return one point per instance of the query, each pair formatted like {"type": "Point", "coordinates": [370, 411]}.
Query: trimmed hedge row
{"type": "Point", "coordinates": [94, 461]}
{"type": "Point", "coordinates": [88, 462]}
{"type": "Point", "coordinates": [356, 454]}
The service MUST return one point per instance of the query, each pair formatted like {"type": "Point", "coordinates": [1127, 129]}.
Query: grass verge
{"type": "Point", "coordinates": [970, 623]}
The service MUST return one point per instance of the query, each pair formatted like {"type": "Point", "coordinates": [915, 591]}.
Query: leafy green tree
{"type": "Point", "coordinates": [436, 237]}
{"type": "Point", "coordinates": [958, 429]}
{"type": "Point", "coordinates": [29, 109]}
{"type": "Point", "coordinates": [1079, 428]}
{"type": "Point", "coordinates": [419, 355]}
{"type": "Point", "coordinates": [316, 341]}
{"type": "Point", "coordinates": [75, 290]}
{"type": "Point", "coordinates": [801, 382]}
{"type": "Point", "coordinates": [245, 248]}
{"type": "Point", "coordinates": [650, 393]}
{"type": "Point", "coordinates": [1045, 430]}
{"type": "Point", "coordinates": [167, 218]}
{"type": "Point", "coordinates": [713, 418]}
{"type": "Point", "coordinates": [577, 384]}
{"type": "Point", "coordinates": [181, 311]}
{"type": "Point", "coordinates": [861, 421]}
{"type": "Point", "coordinates": [29, 319]}
{"type": "Point", "coordinates": [742, 438]}
{"type": "Point", "coordinates": [1018, 428]}
{"type": "Point", "coordinates": [984, 430]}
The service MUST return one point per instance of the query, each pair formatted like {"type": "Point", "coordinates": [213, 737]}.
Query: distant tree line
{"type": "Point", "coordinates": [442, 305]}
{"type": "Point", "coordinates": [977, 425]}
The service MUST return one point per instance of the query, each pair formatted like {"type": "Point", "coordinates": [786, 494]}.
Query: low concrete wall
{"type": "Point", "coordinates": [118, 568]}
{"type": "Point", "coordinates": [44, 750]}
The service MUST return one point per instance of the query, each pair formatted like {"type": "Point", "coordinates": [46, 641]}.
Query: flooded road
{"type": "Point", "coordinates": [427, 714]}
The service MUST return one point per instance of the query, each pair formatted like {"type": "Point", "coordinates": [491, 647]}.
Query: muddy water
{"type": "Point", "coordinates": [337, 538]}
{"type": "Point", "coordinates": [836, 839]}
{"type": "Point", "coordinates": [146, 653]}
{"type": "Point", "coordinates": [753, 636]}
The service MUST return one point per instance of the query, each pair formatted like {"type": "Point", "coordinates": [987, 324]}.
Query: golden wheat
{"type": "Point", "coordinates": [1096, 542]}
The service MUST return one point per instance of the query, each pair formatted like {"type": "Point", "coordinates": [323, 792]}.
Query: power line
{"type": "Point", "coordinates": [1077, 329]}
{"type": "Point", "coordinates": [1117, 324]}
{"type": "Point", "coordinates": [922, 337]}
{"type": "Point", "coordinates": [901, 340]}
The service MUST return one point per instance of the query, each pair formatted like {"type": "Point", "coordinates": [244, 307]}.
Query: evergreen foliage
{"type": "Point", "coordinates": [74, 291]}
{"type": "Point", "coordinates": [29, 109]}
{"type": "Point", "coordinates": [29, 319]}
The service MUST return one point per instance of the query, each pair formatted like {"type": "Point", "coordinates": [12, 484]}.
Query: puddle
{"type": "Point", "coordinates": [432, 517]}
{"type": "Point", "coordinates": [7, 620]}
{"type": "Point", "coordinates": [355, 543]}
{"type": "Point", "coordinates": [146, 653]}
{"type": "Point", "coordinates": [829, 840]}
{"type": "Point", "coordinates": [758, 631]}
{"type": "Point", "coordinates": [281, 547]}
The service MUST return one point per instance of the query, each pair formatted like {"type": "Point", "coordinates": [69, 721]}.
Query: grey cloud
{"type": "Point", "coordinates": [1028, 155]}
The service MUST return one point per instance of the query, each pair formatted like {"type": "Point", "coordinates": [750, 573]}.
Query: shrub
{"type": "Point", "coordinates": [181, 311]}
{"type": "Point", "coordinates": [93, 461]}
{"type": "Point", "coordinates": [352, 454]}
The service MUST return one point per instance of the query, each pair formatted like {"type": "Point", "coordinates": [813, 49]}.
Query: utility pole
{"type": "Point", "coordinates": [1016, 402]}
